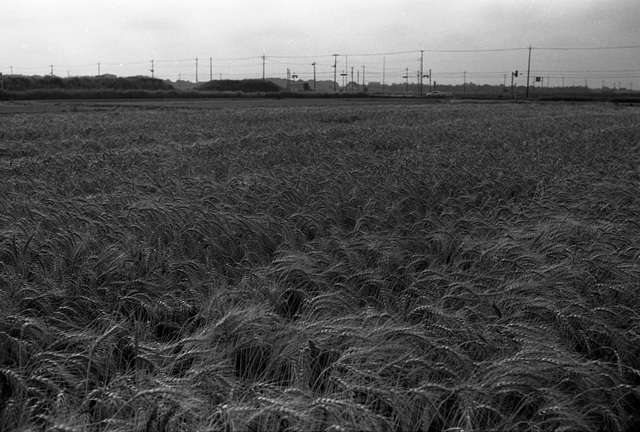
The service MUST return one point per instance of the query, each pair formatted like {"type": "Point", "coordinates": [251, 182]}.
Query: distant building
{"type": "Point", "coordinates": [375, 87]}
{"type": "Point", "coordinates": [353, 87]}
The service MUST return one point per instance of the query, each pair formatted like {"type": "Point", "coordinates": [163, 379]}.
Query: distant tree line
{"type": "Point", "coordinates": [245, 85]}
{"type": "Point", "coordinates": [18, 87]}
{"type": "Point", "coordinates": [106, 82]}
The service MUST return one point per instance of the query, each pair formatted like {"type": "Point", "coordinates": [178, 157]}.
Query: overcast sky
{"type": "Point", "coordinates": [125, 35]}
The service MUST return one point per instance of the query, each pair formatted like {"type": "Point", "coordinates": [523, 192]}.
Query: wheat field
{"type": "Point", "coordinates": [324, 268]}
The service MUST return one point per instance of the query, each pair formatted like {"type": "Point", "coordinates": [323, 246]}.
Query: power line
{"type": "Point", "coordinates": [391, 63]}
{"type": "Point", "coordinates": [303, 56]}
{"type": "Point", "coordinates": [357, 55]}
{"type": "Point", "coordinates": [125, 64]}
{"type": "Point", "coordinates": [238, 58]}
{"type": "Point", "coordinates": [588, 48]}
{"type": "Point", "coordinates": [384, 54]}
{"type": "Point", "coordinates": [174, 61]}
{"type": "Point", "coordinates": [477, 50]}
{"type": "Point", "coordinates": [592, 71]}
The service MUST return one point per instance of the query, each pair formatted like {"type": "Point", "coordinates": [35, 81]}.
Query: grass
{"type": "Point", "coordinates": [426, 268]}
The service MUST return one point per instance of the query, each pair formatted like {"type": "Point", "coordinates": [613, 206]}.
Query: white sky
{"type": "Point", "coordinates": [125, 35]}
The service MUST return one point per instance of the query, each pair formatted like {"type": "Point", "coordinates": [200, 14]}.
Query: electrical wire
{"type": "Point", "coordinates": [394, 64]}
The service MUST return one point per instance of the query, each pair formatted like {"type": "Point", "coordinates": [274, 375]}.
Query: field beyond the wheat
{"type": "Point", "coordinates": [324, 268]}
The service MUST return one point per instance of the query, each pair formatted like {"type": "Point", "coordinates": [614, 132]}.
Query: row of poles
{"type": "Point", "coordinates": [420, 74]}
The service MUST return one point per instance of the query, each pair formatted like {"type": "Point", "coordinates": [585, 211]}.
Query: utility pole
{"type": "Point", "coordinates": [152, 69]}
{"type": "Point", "coordinates": [351, 76]}
{"type": "Point", "coordinates": [406, 86]}
{"type": "Point", "coordinates": [98, 68]}
{"type": "Point", "coordinates": [335, 71]}
{"type": "Point", "coordinates": [196, 70]}
{"type": "Point", "coordinates": [346, 69]}
{"type": "Point", "coordinates": [363, 81]}
{"type": "Point", "coordinates": [513, 74]}
{"type": "Point", "coordinates": [314, 75]}
{"type": "Point", "coordinates": [51, 69]}
{"type": "Point", "coordinates": [289, 77]}
{"type": "Point", "coordinates": [422, 82]}
{"type": "Point", "coordinates": [528, 71]}
{"type": "Point", "coordinates": [421, 70]}
{"type": "Point", "coordinates": [210, 68]}
{"type": "Point", "coordinates": [384, 68]}
{"type": "Point", "coordinates": [264, 58]}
